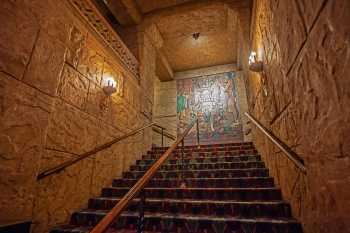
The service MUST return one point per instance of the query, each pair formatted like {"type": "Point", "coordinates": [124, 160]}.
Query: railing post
{"type": "Point", "coordinates": [197, 125]}
{"type": "Point", "coordinates": [183, 182]}
{"type": "Point", "coordinates": [141, 220]}
{"type": "Point", "coordinates": [162, 137]}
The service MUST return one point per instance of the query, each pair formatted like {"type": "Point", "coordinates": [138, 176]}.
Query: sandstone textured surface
{"type": "Point", "coordinates": [53, 108]}
{"type": "Point", "coordinates": [164, 110]}
{"type": "Point", "coordinates": [303, 97]}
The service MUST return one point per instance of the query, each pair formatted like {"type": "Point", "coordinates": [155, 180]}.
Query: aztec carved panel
{"type": "Point", "coordinates": [214, 99]}
{"type": "Point", "coordinates": [90, 13]}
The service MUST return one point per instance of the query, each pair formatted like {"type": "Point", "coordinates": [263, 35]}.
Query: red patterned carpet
{"type": "Point", "coordinates": [228, 190]}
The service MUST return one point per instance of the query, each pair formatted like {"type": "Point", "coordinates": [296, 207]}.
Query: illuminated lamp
{"type": "Point", "coordinates": [109, 86]}
{"type": "Point", "coordinates": [254, 65]}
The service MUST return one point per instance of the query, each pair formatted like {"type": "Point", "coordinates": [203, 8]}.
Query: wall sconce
{"type": "Point", "coordinates": [254, 65]}
{"type": "Point", "coordinates": [110, 86]}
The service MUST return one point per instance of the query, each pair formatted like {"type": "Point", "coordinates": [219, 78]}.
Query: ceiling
{"type": "Point", "coordinates": [177, 20]}
{"type": "Point", "coordinates": [216, 44]}
{"type": "Point", "coordinates": [147, 6]}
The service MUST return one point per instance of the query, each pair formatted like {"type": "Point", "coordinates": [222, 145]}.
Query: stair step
{"type": "Point", "coordinates": [82, 229]}
{"type": "Point", "coordinates": [239, 194]}
{"type": "Point", "coordinates": [234, 144]}
{"type": "Point", "coordinates": [201, 166]}
{"type": "Point", "coordinates": [228, 191]}
{"type": "Point", "coordinates": [205, 149]}
{"type": "Point", "coordinates": [189, 154]}
{"type": "Point", "coordinates": [239, 182]}
{"type": "Point", "coordinates": [254, 209]}
{"type": "Point", "coordinates": [222, 173]}
{"type": "Point", "coordinates": [212, 159]}
{"type": "Point", "coordinates": [190, 223]}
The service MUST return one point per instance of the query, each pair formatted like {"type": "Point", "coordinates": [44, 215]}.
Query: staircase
{"type": "Point", "coordinates": [228, 190]}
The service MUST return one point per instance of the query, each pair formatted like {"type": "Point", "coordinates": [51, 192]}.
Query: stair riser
{"type": "Point", "coordinates": [236, 195]}
{"type": "Point", "coordinates": [202, 174]}
{"type": "Point", "coordinates": [239, 144]}
{"type": "Point", "coordinates": [201, 166]}
{"type": "Point", "coordinates": [202, 154]}
{"type": "Point", "coordinates": [227, 209]}
{"type": "Point", "coordinates": [204, 149]}
{"type": "Point", "coordinates": [181, 225]}
{"type": "Point", "coordinates": [252, 158]}
{"type": "Point", "coordinates": [196, 183]}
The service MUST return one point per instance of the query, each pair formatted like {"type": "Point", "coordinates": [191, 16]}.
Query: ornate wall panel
{"type": "Point", "coordinates": [214, 99]}
{"type": "Point", "coordinates": [91, 14]}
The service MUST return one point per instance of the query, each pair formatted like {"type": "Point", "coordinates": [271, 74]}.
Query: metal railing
{"type": "Point", "coordinates": [69, 163]}
{"type": "Point", "coordinates": [116, 211]}
{"type": "Point", "coordinates": [283, 147]}
{"type": "Point", "coordinates": [163, 133]}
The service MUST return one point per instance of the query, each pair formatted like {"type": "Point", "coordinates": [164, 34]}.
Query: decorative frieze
{"type": "Point", "coordinates": [96, 20]}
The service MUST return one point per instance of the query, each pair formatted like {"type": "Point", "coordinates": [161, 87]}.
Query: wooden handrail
{"type": "Point", "coordinates": [140, 184]}
{"type": "Point", "coordinates": [287, 151]}
{"type": "Point", "coordinates": [68, 163]}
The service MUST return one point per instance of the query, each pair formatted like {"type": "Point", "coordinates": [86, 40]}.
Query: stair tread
{"type": "Point", "coordinates": [237, 147]}
{"type": "Point", "coordinates": [254, 158]}
{"type": "Point", "coordinates": [201, 153]}
{"type": "Point", "coordinates": [213, 144]}
{"type": "Point", "coordinates": [212, 165]}
{"type": "Point", "coordinates": [204, 178]}
{"type": "Point", "coordinates": [226, 147]}
{"type": "Point", "coordinates": [199, 170]}
{"type": "Point", "coordinates": [202, 189]}
{"type": "Point", "coordinates": [84, 229]}
{"type": "Point", "coordinates": [241, 181]}
{"type": "Point", "coordinates": [195, 216]}
{"type": "Point", "coordinates": [219, 162]}
{"type": "Point", "coordinates": [212, 157]}
{"type": "Point", "coordinates": [274, 202]}
{"type": "Point", "coordinates": [217, 150]}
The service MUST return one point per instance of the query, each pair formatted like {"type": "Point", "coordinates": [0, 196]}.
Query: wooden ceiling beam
{"type": "Point", "coordinates": [193, 5]}
{"type": "Point", "coordinates": [163, 68]}
{"type": "Point", "coordinates": [125, 11]}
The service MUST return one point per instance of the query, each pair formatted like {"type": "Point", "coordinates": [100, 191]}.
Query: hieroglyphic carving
{"type": "Point", "coordinates": [73, 87]}
{"type": "Point", "coordinates": [75, 46]}
{"type": "Point", "coordinates": [91, 14]}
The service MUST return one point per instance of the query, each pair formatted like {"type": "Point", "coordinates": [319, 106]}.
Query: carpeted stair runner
{"type": "Point", "coordinates": [228, 191]}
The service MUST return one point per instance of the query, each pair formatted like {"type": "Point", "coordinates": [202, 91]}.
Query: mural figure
{"type": "Point", "coordinates": [214, 100]}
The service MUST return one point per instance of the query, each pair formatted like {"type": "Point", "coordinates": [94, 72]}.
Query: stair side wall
{"type": "Point", "coordinates": [52, 66]}
{"type": "Point", "coordinates": [302, 96]}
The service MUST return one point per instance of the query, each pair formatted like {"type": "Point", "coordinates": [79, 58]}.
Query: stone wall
{"type": "Point", "coordinates": [52, 108]}
{"type": "Point", "coordinates": [164, 110]}
{"type": "Point", "coordinates": [303, 98]}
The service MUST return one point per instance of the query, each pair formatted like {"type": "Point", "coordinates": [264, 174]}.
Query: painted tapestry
{"type": "Point", "coordinates": [214, 99]}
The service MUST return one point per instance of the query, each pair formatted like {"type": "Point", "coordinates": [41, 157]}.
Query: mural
{"type": "Point", "coordinates": [214, 100]}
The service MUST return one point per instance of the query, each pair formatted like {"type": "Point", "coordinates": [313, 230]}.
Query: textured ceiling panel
{"type": "Point", "coordinates": [178, 20]}
{"type": "Point", "coordinates": [150, 5]}
{"type": "Point", "coordinates": [185, 53]}
{"type": "Point", "coordinates": [217, 42]}
{"type": "Point", "coordinates": [210, 18]}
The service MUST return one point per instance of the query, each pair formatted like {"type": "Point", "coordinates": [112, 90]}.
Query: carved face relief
{"type": "Point", "coordinates": [75, 46]}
